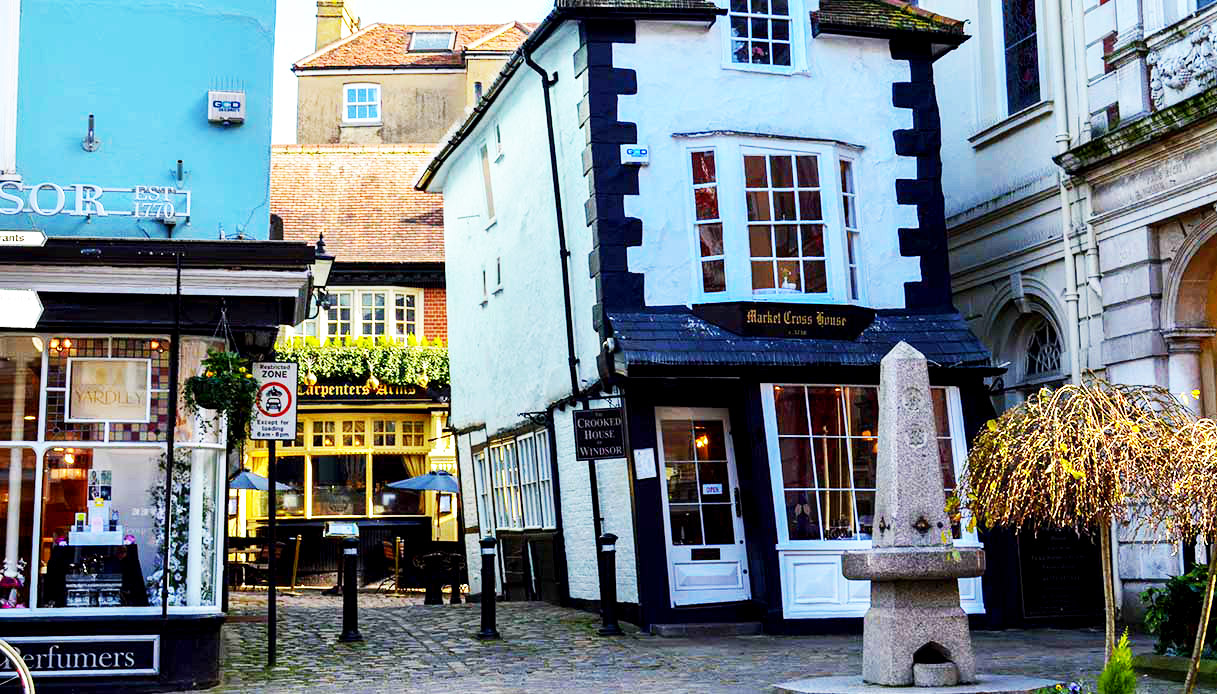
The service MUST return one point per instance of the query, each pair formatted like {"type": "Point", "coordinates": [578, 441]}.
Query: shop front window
{"type": "Point", "coordinates": [289, 472]}
{"type": "Point", "coordinates": [94, 537]}
{"type": "Point", "coordinates": [389, 468]}
{"type": "Point", "coordinates": [339, 485]}
{"type": "Point", "coordinates": [828, 447]}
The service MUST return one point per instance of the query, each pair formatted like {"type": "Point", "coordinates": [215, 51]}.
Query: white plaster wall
{"type": "Point", "coordinates": [509, 355]}
{"type": "Point", "coordinates": [844, 94]}
{"type": "Point", "coordinates": [467, 473]}
{"type": "Point", "coordinates": [578, 532]}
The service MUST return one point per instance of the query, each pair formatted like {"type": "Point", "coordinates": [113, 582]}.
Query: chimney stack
{"type": "Point", "coordinates": [329, 22]}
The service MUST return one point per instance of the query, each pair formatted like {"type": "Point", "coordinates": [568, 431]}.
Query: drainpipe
{"type": "Point", "coordinates": [1093, 275]}
{"type": "Point", "coordinates": [563, 251]}
{"type": "Point", "coordinates": [1060, 114]}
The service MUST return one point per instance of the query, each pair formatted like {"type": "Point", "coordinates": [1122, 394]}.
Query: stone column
{"type": "Point", "coordinates": [1185, 346]}
{"type": "Point", "coordinates": [199, 484]}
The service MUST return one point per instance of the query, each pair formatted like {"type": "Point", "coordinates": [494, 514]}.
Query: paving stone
{"type": "Point", "coordinates": [411, 647]}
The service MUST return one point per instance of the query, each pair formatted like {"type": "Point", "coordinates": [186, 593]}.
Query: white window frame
{"type": "Point", "coordinates": [858, 229]}
{"type": "Point", "coordinates": [959, 451]}
{"type": "Point", "coordinates": [518, 481]}
{"type": "Point", "coordinates": [484, 504]}
{"type": "Point", "coordinates": [488, 208]}
{"type": "Point", "coordinates": [729, 152]}
{"type": "Point", "coordinates": [346, 102]}
{"type": "Point", "coordinates": [414, 37]}
{"type": "Point", "coordinates": [321, 327]}
{"type": "Point", "coordinates": [1001, 103]}
{"type": "Point", "coordinates": [799, 27]}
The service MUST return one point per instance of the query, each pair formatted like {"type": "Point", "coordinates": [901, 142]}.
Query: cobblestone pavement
{"type": "Point", "coordinates": [409, 647]}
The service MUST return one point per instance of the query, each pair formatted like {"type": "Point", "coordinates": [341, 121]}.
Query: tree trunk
{"type": "Point", "coordinates": [1109, 592]}
{"type": "Point", "coordinates": [1205, 610]}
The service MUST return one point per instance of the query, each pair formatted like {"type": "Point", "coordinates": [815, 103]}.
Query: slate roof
{"type": "Point", "coordinates": [387, 46]}
{"type": "Point", "coordinates": [675, 337]}
{"type": "Point", "coordinates": [884, 18]}
{"type": "Point", "coordinates": [361, 197]}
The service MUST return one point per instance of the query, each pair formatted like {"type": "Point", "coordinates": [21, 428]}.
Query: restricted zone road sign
{"type": "Point", "coordinates": [275, 407]}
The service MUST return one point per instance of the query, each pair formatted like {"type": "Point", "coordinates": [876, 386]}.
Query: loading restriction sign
{"type": "Point", "coordinates": [275, 406]}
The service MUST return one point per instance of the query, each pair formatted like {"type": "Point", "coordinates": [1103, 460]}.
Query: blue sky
{"type": "Point", "coordinates": [295, 28]}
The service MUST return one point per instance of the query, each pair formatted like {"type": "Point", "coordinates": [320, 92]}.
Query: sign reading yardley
{"type": "Point", "coordinates": [86, 199]}
{"type": "Point", "coordinates": [114, 390]}
{"type": "Point", "coordinates": [76, 656]}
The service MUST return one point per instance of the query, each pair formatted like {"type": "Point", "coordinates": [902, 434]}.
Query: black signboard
{"type": "Point", "coordinates": [767, 319]}
{"type": "Point", "coordinates": [599, 434]}
{"type": "Point", "coordinates": [365, 393]}
{"type": "Point", "coordinates": [1061, 575]}
{"type": "Point", "coordinates": [86, 656]}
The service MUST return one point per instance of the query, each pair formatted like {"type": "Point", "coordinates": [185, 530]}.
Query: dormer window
{"type": "Point", "coordinates": [424, 41]}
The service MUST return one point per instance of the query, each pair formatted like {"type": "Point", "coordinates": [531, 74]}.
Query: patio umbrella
{"type": "Point", "coordinates": [436, 480]}
{"type": "Point", "coordinates": [248, 480]}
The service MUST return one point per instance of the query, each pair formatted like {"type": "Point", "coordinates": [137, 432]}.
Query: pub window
{"type": "Point", "coordinates": [352, 433]}
{"type": "Point", "coordinates": [405, 314]}
{"type": "Point", "coordinates": [289, 472]}
{"type": "Point", "coordinates": [384, 432]}
{"type": "Point", "coordinates": [373, 314]}
{"type": "Point", "coordinates": [324, 433]}
{"type": "Point", "coordinates": [827, 454]}
{"type": "Point", "coordinates": [412, 433]}
{"type": "Point", "coordinates": [338, 317]}
{"type": "Point", "coordinates": [389, 468]}
{"type": "Point", "coordinates": [760, 33]}
{"type": "Point", "coordinates": [1021, 52]}
{"type": "Point", "coordinates": [339, 484]}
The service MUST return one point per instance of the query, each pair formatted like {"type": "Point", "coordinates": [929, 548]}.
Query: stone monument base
{"type": "Point", "coordinates": [984, 684]}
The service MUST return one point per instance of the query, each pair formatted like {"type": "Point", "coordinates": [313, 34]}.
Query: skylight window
{"type": "Point", "coordinates": [431, 41]}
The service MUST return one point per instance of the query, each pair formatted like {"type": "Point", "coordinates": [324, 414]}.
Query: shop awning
{"type": "Point", "coordinates": [676, 337]}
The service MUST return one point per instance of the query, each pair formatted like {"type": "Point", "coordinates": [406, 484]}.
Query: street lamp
{"type": "Point", "coordinates": [322, 264]}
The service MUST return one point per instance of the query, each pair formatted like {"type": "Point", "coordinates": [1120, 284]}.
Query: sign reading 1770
{"type": "Point", "coordinates": [87, 199]}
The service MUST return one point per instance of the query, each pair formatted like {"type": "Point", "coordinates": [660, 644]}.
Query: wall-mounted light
{"type": "Point", "coordinates": [91, 143]}
{"type": "Point", "coordinates": [322, 264]}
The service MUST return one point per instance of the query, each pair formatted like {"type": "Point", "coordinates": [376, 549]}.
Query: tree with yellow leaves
{"type": "Point", "coordinates": [1180, 504]}
{"type": "Point", "coordinates": [1064, 459]}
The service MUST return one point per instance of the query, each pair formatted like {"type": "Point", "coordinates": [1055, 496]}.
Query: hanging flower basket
{"type": "Point", "coordinates": [226, 386]}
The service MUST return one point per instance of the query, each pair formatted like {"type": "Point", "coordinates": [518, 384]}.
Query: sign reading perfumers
{"type": "Point", "coordinates": [599, 434]}
{"type": "Point", "coordinates": [275, 405]}
{"type": "Point", "coordinates": [77, 656]}
{"type": "Point", "coordinates": [109, 390]}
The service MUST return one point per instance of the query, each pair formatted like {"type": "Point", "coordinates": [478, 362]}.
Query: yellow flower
{"type": "Point", "coordinates": [992, 424]}
{"type": "Point", "coordinates": [210, 374]}
{"type": "Point", "coordinates": [1196, 393]}
{"type": "Point", "coordinates": [248, 375]}
{"type": "Point", "coordinates": [241, 370]}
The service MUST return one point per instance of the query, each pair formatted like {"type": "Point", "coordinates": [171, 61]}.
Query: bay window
{"type": "Point", "coordinates": [824, 454]}
{"type": "Point", "coordinates": [775, 222]}
{"type": "Point", "coordinates": [515, 483]}
{"type": "Point", "coordinates": [83, 461]}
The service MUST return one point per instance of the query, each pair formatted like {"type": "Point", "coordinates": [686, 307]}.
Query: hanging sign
{"type": "Point", "coordinates": [599, 434]}
{"type": "Point", "coordinates": [29, 239]}
{"type": "Point", "coordinates": [86, 656]}
{"type": "Point", "coordinates": [19, 308]}
{"type": "Point", "coordinates": [87, 199]}
{"type": "Point", "coordinates": [767, 319]}
{"type": "Point", "coordinates": [274, 417]}
{"type": "Point", "coordinates": [109, 390]}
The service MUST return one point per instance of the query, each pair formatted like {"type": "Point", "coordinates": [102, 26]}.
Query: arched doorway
{"type": "Point", "coordinates": [1189, 318]}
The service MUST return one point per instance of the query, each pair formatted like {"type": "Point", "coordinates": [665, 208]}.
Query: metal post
{"type": "Point", "coordinates": [488, 632]}
{"type": "Point", "coordinates": [175, 354]}
{"type": "Point", "coordinates": [272, 614]}
{"type": "Point", "coordinates": [607, 556]}
{"type": "Point", "coordinates": [350, 591]}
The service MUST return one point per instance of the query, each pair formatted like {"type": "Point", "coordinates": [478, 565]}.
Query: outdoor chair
{"type": "Point", "coordinates": [258, 572]}
{"type": "Point", "coordinates": [440, 569]}
{"type": "Point", "coordinates": [393, 553]}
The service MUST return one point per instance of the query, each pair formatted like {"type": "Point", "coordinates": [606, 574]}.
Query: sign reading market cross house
{"type": "Point", "coordinates": [87, 199]}
{"type": "Point", "coordinates": [77, 656]}
{"type": "Point", "coordinates": [767, 319]}
{"type": "Point", "coordinates": [599, 434]}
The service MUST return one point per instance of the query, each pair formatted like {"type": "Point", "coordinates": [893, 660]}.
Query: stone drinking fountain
{"type": "Point", "coordinates": [915, 634]}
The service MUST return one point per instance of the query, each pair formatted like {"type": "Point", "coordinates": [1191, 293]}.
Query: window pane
{"type": "Point", "coordinates": [289, 472]}
{"type": "Point", "coordinates": [809, 206]}
{"type": "Point", "coordinates": [783, 205]}
{"type": "Point", "coordinates": [796, 463]}
{"type": "Point", "coordinates": [779, 7]}
{"type": "Point", "coordinates": [781, 54]}
{"type": "Point", "coordinates": [709, 441]}
{"type": "Point", "coordinates": [760, 52]}
{"type": "Point", "coordinates": [813, 241]}
{"type": "Point", "coordinates": [760, 241]}
{"type": "Point", "coordinates": [786, 241]}
{"type": "Point", "coordinates": [815, 277]}
{"type": "Point", "coordinates": [758, 206]}
{"type": "Point", "coordinates": [707, 202]}
{"type": "Point", "coordinates": [713, 276]}
{"type": "Point", "coordinates": [802, 515]}
{"type": "Point", "coordinates": [754, 172]}
{"type": "Point", "coordinates": [760, 6]}
{"type": "Point", "coordinates": [20, 380]}
{"type": "Point", "coordinates": [866, 514]}
{"type": "Point", "coordinates": [372, 112]}
{"type": "Point", "coordinates": [686, 525]}
{"type": "Point", "coordinates": [863, 411]}
{"type": "Point", "coordinates": [714, 485]}
{"type": "Point", "coordinates": [838, 509]}
{"type": "Point", "coordinates": [23, 461]}
{"type": "Point", "coordinates": [351, 110]}
{"type": "Point", "coordinates": [739, 26]}
{"type": "Point", "coordinates": [720, 528]}
{"type": "Point", "coordinates": [808, 171]}
{"type": "Point", "coordinates": [825, 407]}
{"type": "Point", "coordinates": [832, 463]}
{"type": "Point", "coordinates": [711, 236]}
{"type": "Point", "coordinates": [791, 409]}
{"type": "Point", "coordinates": [739, 51]}
{"type": "Point", "coordinates": [339, 482]}
{"type": "Point", "coordinates": [780, 29]}
{"type": "Point", "coordinates": [389, 468]}
{"type": "Point", "coordinates": [760, 28]}
{"type": "Point", "coordinates": [866, 462]}
{"type": "Point", "coordinates": [682, 482]}
{"type": "Point", "coordinates": [762, 275]}
{"type": "Point", "coordinates": [789, 276]}
{"type": "Point", "coordinates": [703, 167]}
{"type": "Point", "coordinates": [677, 440]}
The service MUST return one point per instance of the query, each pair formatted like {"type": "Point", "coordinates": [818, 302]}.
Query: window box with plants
{"type": "Point", "coordinates": [383, 360]}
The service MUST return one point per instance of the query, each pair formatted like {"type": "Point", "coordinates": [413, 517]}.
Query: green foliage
{"type": "Point", "coordinates": [1119, 677]}
{"type": "Point", "coordinates": [1173, 614]}
{"type": "Point", "coordinates": [390, 361]}
{"type": "Point", "coordinates": [225, 386]}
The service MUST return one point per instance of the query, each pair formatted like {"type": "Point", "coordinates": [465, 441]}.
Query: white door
{"type": "Point", "coordinates": [707, 559]}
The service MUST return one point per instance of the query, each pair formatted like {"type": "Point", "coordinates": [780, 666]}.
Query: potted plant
{"type": "Point", "coordinates": [226, 386]}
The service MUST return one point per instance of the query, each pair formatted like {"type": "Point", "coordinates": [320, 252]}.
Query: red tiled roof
{"type": "Point", "coordinates": [387, 45]}
{"type": "Point", "coordinates": [361, 197]}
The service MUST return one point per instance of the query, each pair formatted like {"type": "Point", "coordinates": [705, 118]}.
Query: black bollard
{"type": "Point", "coordinates": [350, 591]}
{"type": "Point", "coordinates": [607, 544]}
{"type": "Point", "coordinates": [489, 632]}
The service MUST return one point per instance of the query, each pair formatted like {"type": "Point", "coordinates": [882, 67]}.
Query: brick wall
{"type": "Point", "coordinates": [435, 314]}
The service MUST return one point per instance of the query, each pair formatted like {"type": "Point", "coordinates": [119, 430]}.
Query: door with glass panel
{"type": "Point", "coordinates": [707, 558]}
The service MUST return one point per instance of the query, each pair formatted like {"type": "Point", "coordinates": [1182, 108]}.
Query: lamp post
{"type": "Point", "coordinates": [323, 263]}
